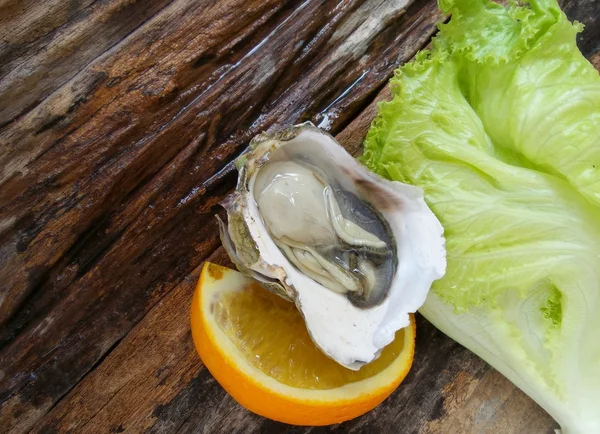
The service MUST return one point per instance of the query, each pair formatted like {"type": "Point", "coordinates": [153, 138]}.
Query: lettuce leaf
{"type": "Point", "coordinates": [499, 123]}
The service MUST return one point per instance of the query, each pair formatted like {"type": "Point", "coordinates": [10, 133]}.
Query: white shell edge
{"type": "Point", "coordinates": [351, 335]}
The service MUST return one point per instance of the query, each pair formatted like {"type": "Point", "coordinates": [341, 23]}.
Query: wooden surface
{"type": "Point", "coordinates": [118, 123]}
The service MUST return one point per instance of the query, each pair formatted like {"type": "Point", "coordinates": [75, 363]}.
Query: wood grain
{"type": "Point", "coordinates": [120, 120]}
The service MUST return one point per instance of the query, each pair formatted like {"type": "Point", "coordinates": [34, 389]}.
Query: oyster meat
{"type": "Point", "coordinates": [356, 253]}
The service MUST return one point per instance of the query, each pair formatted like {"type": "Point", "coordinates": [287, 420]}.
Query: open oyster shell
{"type": "Point", "coordinates": [356, 253]}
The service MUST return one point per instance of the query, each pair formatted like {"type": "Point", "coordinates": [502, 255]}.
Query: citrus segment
{"type": "Point", "coordinates": [257, 347]}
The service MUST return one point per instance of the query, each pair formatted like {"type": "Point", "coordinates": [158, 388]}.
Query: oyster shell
{"type": "Point", "coordinates": [356, 253]}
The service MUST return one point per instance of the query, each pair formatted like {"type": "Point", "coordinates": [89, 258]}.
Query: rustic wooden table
{"type": "Point", "coordinates": [119, 121]}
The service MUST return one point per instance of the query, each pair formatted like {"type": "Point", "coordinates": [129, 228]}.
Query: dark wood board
{"type": "Point", "coordinates": [119, 121]}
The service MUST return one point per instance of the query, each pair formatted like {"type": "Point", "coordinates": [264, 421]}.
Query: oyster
{"type": "Point", "coordinates": [356, 253]}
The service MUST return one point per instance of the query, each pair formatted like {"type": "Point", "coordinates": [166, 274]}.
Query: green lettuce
{"type": "Point", "coordinates": [499, 123]}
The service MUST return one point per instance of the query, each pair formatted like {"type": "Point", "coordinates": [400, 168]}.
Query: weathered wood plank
{"type": "Point", "coordinates": [148, 368]}
{"type": "Point", "coordinates": [25, 26]}
{"type": "Point", "coordinates": [50, 42]}
{"type": "Point", "coordinates": [98, 227]}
